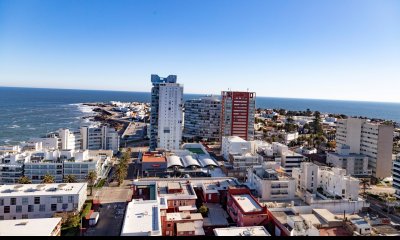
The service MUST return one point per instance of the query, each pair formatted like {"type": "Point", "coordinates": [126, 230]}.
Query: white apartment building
{"type": "Point", "coordinates": [95, 138]}
{"type": "Point", "coordinates": [330, 182]}
{"type": "Point", "coordinates": [234, 145]}
{"type": "Point", "coordinates": [291, 137]}
{"type": "Point", "coordinates": [11, 167]}
{"type": "Point", "coordinates": [5, 149]}
{"type": "Point", "coordinates": [70, 139]}
{"type": "Point", "coordinates": [269, 185]}
{"type": "Point", "coordinates": [396, 176]}
{"type": "Point", "coordinates": [170, 116]}
{"type": "Point", "coordinates": [40, 200]}
{"type": "Point", "coordinates": [370, 139]}
{"type": "Point", "coordinates": [61, 163]}
{"type": "Point", "coordinates": [49, 143]}
{"type": "Point", "coordinates": [354, 164]}
{"type": "Point", "coordinates": [31, 227]}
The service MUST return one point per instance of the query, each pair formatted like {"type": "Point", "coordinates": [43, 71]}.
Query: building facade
{"type": "Point", "coordinates": [370, 139]}
{"type": "Point", "coordinates": [396, 176]}
{"type": "Point", "coordinates": [237, 115]}
{"type": "Point", "coordinates": [269, 185]}
{"type": "Point", "coordinates": [40, 200]}
{"type": "Point", "coordinates": [354, 164]}
{"type": "Point", "coordinates": [95, 138]}
{"type": "Point", "coordinates": [166, 113]}
{"type": "Point", "coordinates": [203, 118]}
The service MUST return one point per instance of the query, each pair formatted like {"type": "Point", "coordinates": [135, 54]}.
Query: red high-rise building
{"type": "Point", "coordinates": [237, 115]}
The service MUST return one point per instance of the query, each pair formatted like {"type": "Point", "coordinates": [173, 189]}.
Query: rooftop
{"type": "Point", "coordinates": [150, 157]}
{"type": "Point", "coordinates": [247, 203]}
{"type": "Point", "coordinates": [142, 218]}
{"type": "Point", "coordinates": [41, 189]}
{"type": "Point", "coordinates": [242, 231]}
{"type": "Point", "coordinates": [335, 231]}
{"type": "Point", "coordinates": [28, 227]}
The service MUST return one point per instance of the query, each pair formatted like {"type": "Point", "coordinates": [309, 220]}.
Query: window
{"type": "Point", "coordinates": [24, 216]}
{"type": "Point", "coordinates": [18, 209]}
{"type": "Point", "coordinates": [25, 201]}
{"type": "Point", "coordinates": [70, 199]}
{"type": "Point", "coordinates": [42, 208]}
{"type": "Point", "coordinates": [30, 208]}
{"type": "Point", "coordinates": [59, 199]}
{"type": "Point", "coordinates": [13, 201]}
{"type": "Point", "coordinates": [1, 217]}
{"type": "Point", "coordinates": [1, 202]}
{"type": "Point", "coordinates": [65, 206]}
{"type": "Point", "coordinates": [37, 200]}
{"type": "Point", "coordinates": [53, 207]}
{"type": "Point", "coordinates": [6, 209]}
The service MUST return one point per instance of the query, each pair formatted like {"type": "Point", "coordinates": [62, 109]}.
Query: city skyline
{"type": "Point", "coordinates": [339, 50]}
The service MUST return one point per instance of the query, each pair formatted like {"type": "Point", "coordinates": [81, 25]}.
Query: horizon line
{"type": "Point", "coordinates": [205, 94]}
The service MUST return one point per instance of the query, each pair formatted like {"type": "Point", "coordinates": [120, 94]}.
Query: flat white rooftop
{"type": "Point", "coordinates": [236, 139]}
{"type": "Point", "coordinates": [52, 189]}
{"type": "Point", "coordinates": [28, 227]}
{"type": "Point", "coordinates": [242, 231]}
{"type": "Point", "coordinates": [247, 203]}
{"type": "Point", "coordinates": [142, 218]}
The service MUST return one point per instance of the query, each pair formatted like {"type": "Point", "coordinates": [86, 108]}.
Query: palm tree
{"type": "Point", "coordinates": [24, 180]}
{"type": "Point", "coordinates": [389, 202]}
{"type": "Point", "coordinates": [121, 172]}
{"type": "Point", "coordinates": [48, 179]}
{"type": "Point", "coordinates": [70, 179]}
{"type": "Point", "coordinates": [364, 182]}
{"type": "Point", "coordinates": [91, 178]}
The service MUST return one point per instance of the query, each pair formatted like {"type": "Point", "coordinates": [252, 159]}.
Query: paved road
{"type": "Point", "coordinates": [110, 220]}
{"type": "Point", "coordinates": [377, 207]}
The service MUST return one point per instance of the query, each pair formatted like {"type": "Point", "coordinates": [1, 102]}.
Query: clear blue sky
{"type": "Point", "coordinates": [330, 49]}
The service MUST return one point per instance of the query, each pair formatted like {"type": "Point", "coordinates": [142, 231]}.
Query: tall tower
{"type": "Point", "coordinates": [166, 113]}
{"type": "Point", "coordinates": [237, 114]}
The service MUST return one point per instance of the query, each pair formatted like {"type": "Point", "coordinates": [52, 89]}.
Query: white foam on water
{"type": "Point", "coordinates": [14, 126]}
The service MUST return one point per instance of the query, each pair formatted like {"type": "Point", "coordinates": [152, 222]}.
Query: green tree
{"type": "Point", "coordinates": [203, 210]}
{"type": "Point", "coordinates": [72, 221]}
{"type": "Point", "coordinates": [364, 182]}
{"type": "Point", "coordinates": [24, 180]}
{"type": "Point", "coordinates": [121, 173]}
{"type": "Point", "coordinates": [317, 123]}
{"type": "Point", "coordinates": [91, 178]}
{"type": "Point", "coordinates": [48, 179]}
{"type": "Point", "coordinates": [70, 179]}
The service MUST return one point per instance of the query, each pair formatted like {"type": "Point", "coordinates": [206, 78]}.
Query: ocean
{"type": "Point", "coordinates": [32, 112]}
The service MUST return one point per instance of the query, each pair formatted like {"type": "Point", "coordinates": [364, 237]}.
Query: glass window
{"type": "Point", "coordinates": [42, 208]}
{"type": "Point", "coordinates": [25, 201]}
{"type": "Point", "coordinates": [70, 199]}
{"type": "Point", "coordinates": [1, 202]}
{"type": "Point", "coordinates": [59, 199]}
{"type": "Point", "coordinates": [13, 201]}
{"type": "Point", "coordinates": [30, 208]}
{"type": "Point", "coordinates": [6, 209]}
{"type": "Point", "coordinates": [24, 216]}
{"type": "Point", "coordinates": [65, 206]}
{"type": "Point", "coordinates": [37, 200]}
{"type": "Point", "coordinates": [18, 209]}
{"type": "Point", "coordinates": [53, 207]}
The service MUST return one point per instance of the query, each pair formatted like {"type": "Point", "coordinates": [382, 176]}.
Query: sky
{"type": "Point", "coordinates": [331, 49]}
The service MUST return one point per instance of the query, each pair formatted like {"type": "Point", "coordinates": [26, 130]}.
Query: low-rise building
{"type": "Point", "coordinates": [183, 224]}
{"type": "Point", "coordinates": [31, 227]}
{"type": "Point", "coordinates": [290, 137]}
{"type": "Point", "coordinates": [241, 231]}
{"type": "Point", "coordinates": [287, 223]}
{"type": "Point", "coordinates": [244, 209]}
{"type": "Point", "coordinates": [153, 163]}
{"type": "Point", "coordinates": [329, 188]}
{"type": "Point", "coordinates": [355, 164]}
{"type": "Point", "coordinates": [40, 200]}
{"type": "Point", "coordinates": [12, 167]}
{"type": "Point", "coordinates": [396, 176]}
{"type": "Point", "coordinates": [142, 218]}
{"type": "Point", "coordinates": [270, 185]}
